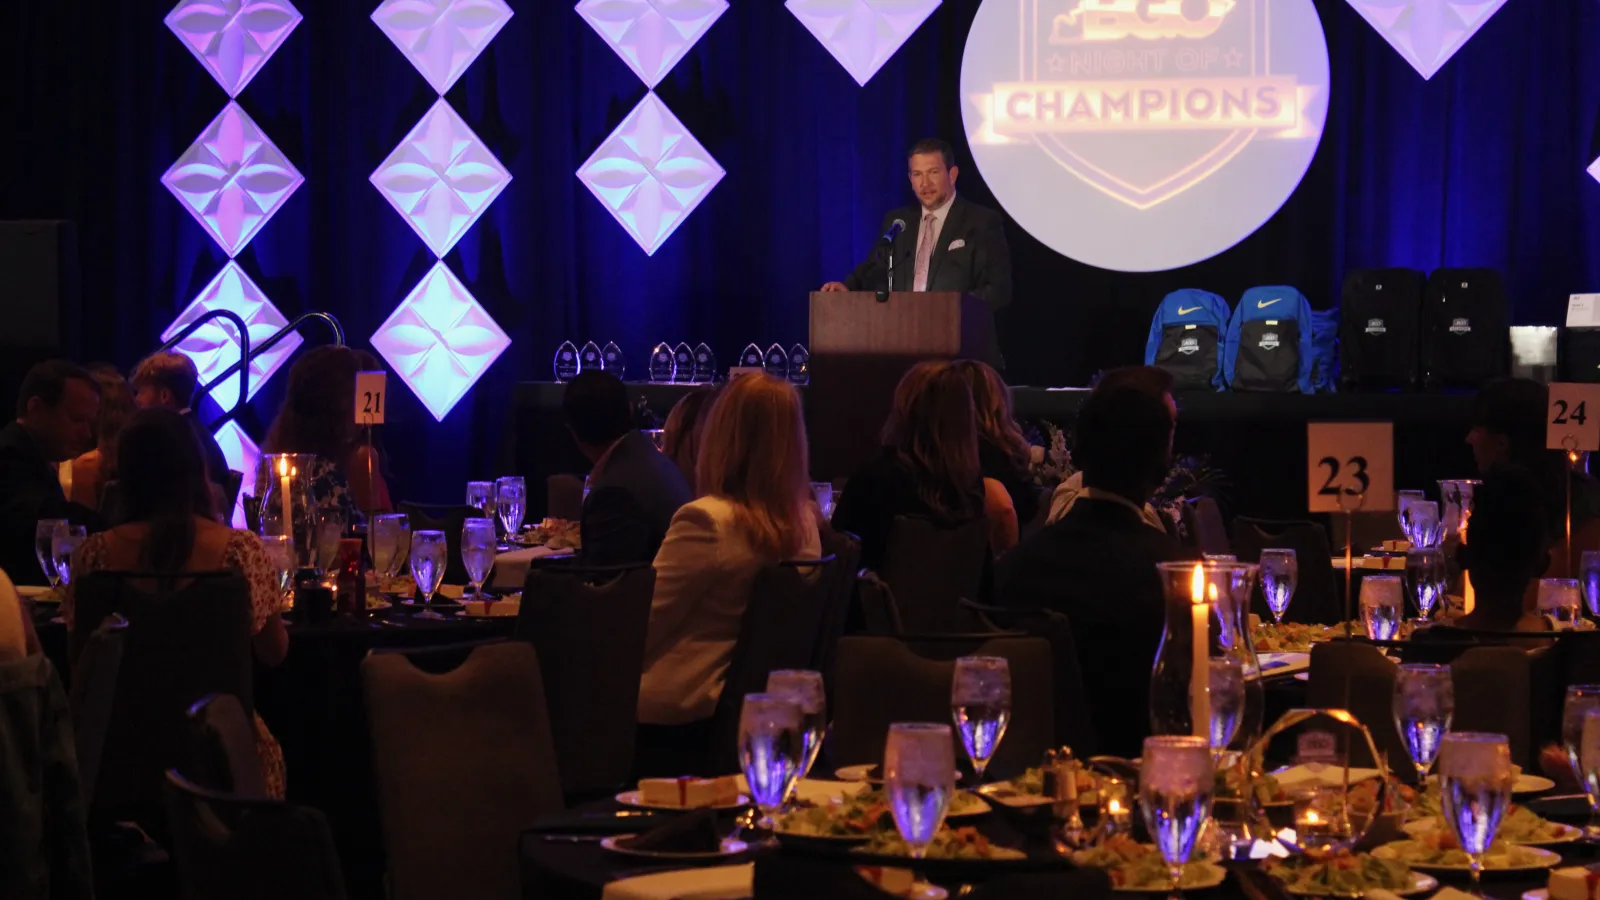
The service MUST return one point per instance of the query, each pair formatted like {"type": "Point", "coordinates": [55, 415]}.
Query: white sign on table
{"type": "Point", "coordinates": [1583, 311]}
{"type": "Point", "coordinates": [1573, 419]}
{"type": "Point", "coordinates": [371, 397]}
{"type": "Point", "coordinates": [1350, 466]}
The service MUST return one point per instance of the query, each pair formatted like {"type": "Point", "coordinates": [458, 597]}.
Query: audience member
{"type": "Point", "coordinates": [634, 490]}
{"type": "Point", "coordinates": [928, 468]}
{"type": "Point", "coordinates": [318, 417]}
{"type": "Point", "coordinates": [170, 527]}
{"type": "Point", "coordinates": [756, 510]}
{"type": "Point", "coordinates": [1004, 455]}
{"type": "Point", "coordinates": [13, 622]}
{"type": "Point", "coordinates": [56, 411]}
{"type": "Point", "coordinates": [684, 427]}
{"type": "Point", "coordinates": [1506, 551]}
{"type": "Point", "coordinates": [1148, 378]}
{"type": "Point", "coordinates": [92, 470]}
{"type": "Point", "coordinates": [1096, 565]}
{"type": "Point", "coordinates": [170, 380]}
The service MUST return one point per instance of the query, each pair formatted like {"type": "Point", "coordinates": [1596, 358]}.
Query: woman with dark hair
{"type": "Point", "coordinates": [929, 467]}
{"type": "Point", "coordinates": [681, 433]}
{"type": "Point", "coordinates": [318, 417]}
{"type": "Point", "coordinates": [170, 527]}
{"type": "Point", "coordinates": [1004, 455]}
{"type": "Point", "coordinates": [92, 470]}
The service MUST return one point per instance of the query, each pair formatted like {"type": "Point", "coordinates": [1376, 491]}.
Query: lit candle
{"type": "Point", "coordinates": [1468, 601]}
{"type": "Point", "coordinates": [1200, 669]}
{"type": "Point", "coordinates": [288, 503]}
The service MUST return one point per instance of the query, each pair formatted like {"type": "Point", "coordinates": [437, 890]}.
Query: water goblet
{"type": "Point", "coordinates": [1424, 704]}
{"type": "Point", "coordinates": [511, 499]}
{"type": "Point", "coordinates": [1427, 531]}
{"type": "Point", "coordinates": [63, 544]}
{"type": "Point", "coordinates": [980, 703]}
{"type": "Point", "coordinates": [1227, 686]}
{"type": "Point", "coordinates": [477, 552]}
{"type": "Point", "coordinates": [1587, 762]}
{"type": "Point", "coordinates": [1402, 504]}
{"type": "Point", "coordinates": [1176, 785]}
{"type": "Point", "coordinates": [919, 779]}
{"type": "Point", "coordinates": [804, 689]}
{"type": "Point", "coordinates": [1475, 780]}
{"type": "Point", "coordinates": [1382, 606]}
{"type": "Point", "coordinates": [429, 551]}
{"type": "Point", "coordinates": [44, 535]}
{"type": "Point", "coordinates": [823, 492]}
{"type": "Point", "coordinates": [391, 542]}
{"type": "Point", "coordinates": [329, 525]}
{"type": "Point", "coordinates": [1280, 574]}
{"type": "Point", "coordinates": [1425, 579]}
{"type": "Point", "coordinates": [280, 553]}
{"type": "Point", "coordinates": [1558, 600]}
{"type": "Point", "coordinates": [1591, 582]}
{"type": "Point", "coordinates": [771, 751]}
{"type": "Point", "coordinates": [1580, 700]}
{"type": "Point", "coordinates": [480, 496]}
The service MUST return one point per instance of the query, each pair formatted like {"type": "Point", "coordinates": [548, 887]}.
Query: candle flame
{"type": "Point", "coordinates": [1114, 806]}
{"type": "Point", "coordinates": [1311, 817]}
{"type": "Point", "coordinates": [1197, 585]}
{"type": "Point", "coordinates": [283, 468]}
{"type": "Point", "coordinates": [1572, 456]}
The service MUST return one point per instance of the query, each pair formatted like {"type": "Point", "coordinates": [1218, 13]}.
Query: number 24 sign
{"type": "Point", "coordinates": [1574, 417]}
{"type": "Point", "coordinates": [1350, 466]}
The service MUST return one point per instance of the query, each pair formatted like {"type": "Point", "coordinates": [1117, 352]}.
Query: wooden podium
{"type": "Point", "coordinates": [860, 347]}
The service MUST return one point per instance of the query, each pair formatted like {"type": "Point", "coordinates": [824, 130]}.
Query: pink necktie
{"type": "Point", "coordinates": [924, 253]}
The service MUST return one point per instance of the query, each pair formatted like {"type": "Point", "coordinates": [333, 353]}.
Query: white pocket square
{"type": "Point", "coordinates": [956, 244]}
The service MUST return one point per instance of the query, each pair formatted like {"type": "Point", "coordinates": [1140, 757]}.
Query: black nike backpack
{"type": "Point", "coordinates": [1466, 328]}
{"type": "Point", "coordinates": [1379, 329]}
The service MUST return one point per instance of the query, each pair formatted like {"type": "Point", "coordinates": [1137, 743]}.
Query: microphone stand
{"type": "Point", "coordinates": [883, 296]}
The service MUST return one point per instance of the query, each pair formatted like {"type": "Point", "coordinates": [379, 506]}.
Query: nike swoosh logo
{"type": "Point", "coordinates": [1185, 312]}
{"type": "Point", "coordinates": [1260, 305]}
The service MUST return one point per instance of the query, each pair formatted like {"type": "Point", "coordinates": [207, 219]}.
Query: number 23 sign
{"type": "Point", "coordinates": [1350, 466]}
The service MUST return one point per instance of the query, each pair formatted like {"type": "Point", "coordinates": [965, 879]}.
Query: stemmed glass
{"type": "Point", "coordinates": [1424, 704]}
{"type": "Point", "coordinates": [1227, 702]}
{"type": "Point", "coordinates": [510, 499]}
{"type": "Point", "coordinates": [1558, 599]}
{"type": "Point", "coordinates": [1382, 606]}
{"type": "Point", "coordinates": [1475, 780]}
{"type": "Point", "coordinates": [1581, 700]}
{"type": "Point", "coordinates": [771, 751]}
{"type": "Point", "coordinates": [1403, 501]}
{"type": "Point", "coordinates": [823, 491]}
{"type": "Point", "coordinates": [330, 530]}
{"type": "Point", "coordinates": [63, 544]}
{"type": "Point", "coordinates": [1280, 573]}
{"type": "Point", "coordinates": [980, 703]}
{"type": "Point", "coordinates": [1176, 784]}
{"type": "Point", "coordinates": [1425, 578]}
{"type": "Point", "coordinates": [919, 778]}
{"type": "Point", "coordinates": [1591, 582]}
{"type": "Point", "coordinates": [280, 552]}
{"type": "Point", "coordinates": [429, 551]}
{"type": "Point", "coordinates": [391, 542]}
{"type": "Point", "coordinates": [1587, 763]}
{"type": "Point", "coordinates": [44, 538]}
{"type": "Point", "coordinates": [803, 688]}
{"type": "Point", "coordinates": [480, 496]}
{"type": "Point", "coordinates": [477, 552]}
{"type": "Point", "coordinates": [1427, 531]}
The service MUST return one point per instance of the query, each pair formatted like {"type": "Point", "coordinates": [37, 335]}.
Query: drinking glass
{"type": "Point", "coordinates": [823, 491]}
{"type": "Point", "coordinates": [329, 530]}
{"type": "Point", "coordinates": [63, 543]}
{"type": "Point", "coordinates": [1558, 599]}
{"type": "Point", "coordinates": [280, 553]}
{"type": "Point", "coordinates": [1424, 704]}
{"type": "Point", "coordinates": [585, 499]}
{"type": "Point", "coordinates": [428, 555]}
{"type": "Point", "coordinates": [919, 778]}
{"type": "Point", "coordinates": [1581, 699]}
{"type": "Point", "coordinates": [1280, 573]}
{"type": "Point", "coordinates": [1475, 779]}
{"type": "Point", "coordinates": [1591, 581]}
{"type": "Point", "coordinates": [1425, 579]}
{"type": "Point", "coordinates": [1588, 761]}
{"type": "Point", "coordinates": [1176, 782]}
{"type": "Point", "coordinates": [804, 689]}
{"type": "Point", "coordinates": [511, 499]}
{"type": "Point", "coordinates": [44, 538]}
{"type": "Point", "coordinates": [1382, 606]}
{"type": "Point", "coordinates": [1227, 702]}
{"type": "Point", "coordinates": [980, 702]}
{"type": "Point", "coordinates": [1403, 501]}
{"type": "Point", "coordinates": [480, 496]}
{"type": "Point", "coordinates": [771, 749]}
{"type": "Point", "coordinates": [391, 541]}
{"type": "Point", "coordinates": [477, 552]}
{"type": "Point", "coordinates": [1427, 531]}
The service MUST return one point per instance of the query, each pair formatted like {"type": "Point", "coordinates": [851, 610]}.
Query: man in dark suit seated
{"type": "Point", "coordinates": [633, 489]}
{"type": "Point", "coordinates": [945, 242]}
{"type": "Point", "coordinates": [56, 412]}
{"type": "Point", "coordinates": [170, 380]}
{"type": "Point", "coordinates": [1096, 565]}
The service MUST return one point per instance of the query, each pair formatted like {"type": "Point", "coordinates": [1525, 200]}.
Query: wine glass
{"type": "Point", "coordinates": [1227, 702]}
{"type": "Point", "coordinates": [771, 750]}
{"type": "Point", "coordinates": [1424, 704]}
{"type": "Point", "coordinates": [1587, 763]}
{"type": "Point", "coordinates": [1176, 783]}
{"type": "Point", "coordinates": [1425, 579]}
{"type": "Point", "coordinates": [280, 553]}
{"type": "Point", "coordinates": [1591, 582]}
{"type": "Point", "coordinates": [804, 689]}
{"type": "Point", "coordinates": [1475, 780]}
{"type": "Point", "coordinates": [919, 778]}
{"type": "Point", "coordinates": [63, 543]}
{"type": "Point", "coordinates": [429, 551]}
{"type": "Point", "coordinates": [511, 499]}
{"type": "Point", "coordinates": [477, 552]}
{"type": "Point", "coordinates": [1382, 606]}
{"type": "Point", "coordinates": [480, 496]}
{"type": "Point", "coordinates": [1558, 599]}
{"type": "Point", "coordinates": [823, 491]}
{"type": "Point", "coordinates": [44, 536]}
{"type": "Point", "coordinates": [1581, 699]}
{"type": "Point", "coordinates": [980, 702]}
{"type": "Point", "coordinates": [1403, 501]}
{"type": "Point", "coordinates": [1280, 573]}
{"type": "Point", "coordinates": [1427, 531]}
{"type": "Point", "coordinates": [390, 536]}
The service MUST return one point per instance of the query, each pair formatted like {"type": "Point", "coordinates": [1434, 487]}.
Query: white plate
{"type": "Point", "coordinates": [730, 847]}
{"type": "Point", "coordinates": [1277, 665]}
{"type": "Point", "coordinates": [1546, 858]}
{"type": "Point", "coordinates": [867, 772]}
{"type": "Point", "coordinates": [631, 798]}
{"type": "Point", "coordinates": [1569, 833]}
{"type": "Point", "coordinates": [1420, 884]}
{"type": "Point", "coordinates": [1004, 794]}
{"type": "Point", "coordinates": [1215, 875]}
{"type": "Point", "coordinates": [1525, 783]}
{"type": "Point", "coordinates": [1293, 776]}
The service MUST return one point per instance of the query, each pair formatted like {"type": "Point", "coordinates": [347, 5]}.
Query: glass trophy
{"type": "Point", "coordinates": [611, 360]}
{"type": "Point", "coordinates": [705, 365]}
{"type": "Point", "coordinates": [799, 365]}
{"type": "Point", "coordinates": [751, 358]}
{"type": "Point", "coordinates": [566, 362]}
{"type": "Point", "coordinates": [589, 357]}
{"type": "Point", "coordinates": [661, 368]}
{"type": "Point", "coordinates": [777, 362]}
{"type": "Point", "coordinates": [683, 363]}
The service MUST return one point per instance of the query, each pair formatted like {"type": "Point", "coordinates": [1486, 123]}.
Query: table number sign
{"type": "Point", "coordinates": [371, 397]}
{"type": "Point", "coordinates": [1573, 419]}
{"type": "Point", "coordinates": [1350, 466]}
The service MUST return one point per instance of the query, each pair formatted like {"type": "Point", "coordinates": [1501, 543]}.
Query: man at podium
{"type": "Point", "coordinates": [944, 243]}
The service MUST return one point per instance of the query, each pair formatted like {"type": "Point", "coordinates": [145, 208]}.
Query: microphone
{"type": "Point", "coordinates": [895, 228]}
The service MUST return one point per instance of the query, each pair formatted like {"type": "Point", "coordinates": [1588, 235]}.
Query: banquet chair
{"type": "Point", "coordinates": [879, 613]}
{"type": "Point", "coordinates": [845, 548]}
{"type": "Point", "coordinates": [1317, 596]}
{"type": "Point", "coordinates": [230, 847]}
{"type": "Point", "coordinates": [929, 569]}
{"type": "Point", "coordinates": [785, 876]}
{"type": "Point", "coordinates": [222, 748]}
{"type": "Point", "coordinates": [463, 760]}
{"type": "Point", "coordinates": [1355, 676]}
{"type": "Point", "coordinates": [447, 518]}
{"type": "Point", "coordinates": [1494, 688]}
{"type": "Point", "coordinates": [45, 852]}
{"type": "Point", "coordinates": [94, 687]}
{"type": "Point", "coordinates": [565, 497]}
{"type": "Point", "coordinates": [883, 680]}
{"type": "Point", "coordinates": [589, 633]}
{"type": "Point", "coordinates": [1203, 520]}
{"type": "Point", "coordinates": [1074, 721]}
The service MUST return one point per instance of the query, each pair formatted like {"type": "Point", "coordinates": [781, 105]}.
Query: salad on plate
{"type": "Point", "coordinates": [860, 816]}
{"type": "Point", "coordinates": [1133, 866]}
{"type": "Point", "coordinates": [949, 843]}
{"type": "Point", "coordinates": [1346, 875]}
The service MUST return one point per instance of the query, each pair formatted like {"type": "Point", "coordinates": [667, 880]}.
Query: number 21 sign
{"type": "Point", "coordinates": [1350, 466]}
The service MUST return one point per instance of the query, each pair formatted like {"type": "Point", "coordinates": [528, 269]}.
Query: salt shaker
{"type": "Point", "coordinates": [1061, 770]}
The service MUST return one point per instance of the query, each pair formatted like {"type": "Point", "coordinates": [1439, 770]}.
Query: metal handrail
{"type": "Point", "coordinates": [244, 352]}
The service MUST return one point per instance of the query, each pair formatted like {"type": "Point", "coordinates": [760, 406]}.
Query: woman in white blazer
{"type": "Point", "coordinates": [755, 509]}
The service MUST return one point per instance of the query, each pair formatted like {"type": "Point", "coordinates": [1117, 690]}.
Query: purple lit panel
{"type": "Point", "coordinates": [862, 34]}
{"type": "Point", "coordinates": [233, 39]}
{"type": "Point", "coordinates": [215, 346]}
{"type": "Point", "coordinates": [441, 37]}
{"type": "Point", "coordinates": [650, 173]}
{"type": "Point", "coordinates": [1427, 32]}
{"type": "Point", "coordinates": [242, 455]}
{"type": "Point", "coordinates": [441, 178]}
{"type": "Point", "coordinates": [651, 35]}
{"type": "Point", "coordinates": [232, 179]}
{"type": "Point", "coordinates": [440, 341]}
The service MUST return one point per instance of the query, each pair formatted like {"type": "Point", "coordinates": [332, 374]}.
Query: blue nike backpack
{"type": "Point", "coordinates": [1270, 342]}
{"type": "Point", "coordinates": [1187, 339]}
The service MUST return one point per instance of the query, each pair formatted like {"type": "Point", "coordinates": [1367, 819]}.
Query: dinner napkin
{"type": "Point", "coordinates": [818, 791]}
{"type": "Point", "coordinates": [693, 833]}
{"type": "Point", "coordinates": [716, 883]}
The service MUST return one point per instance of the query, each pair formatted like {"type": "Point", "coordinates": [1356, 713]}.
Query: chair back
{"type": "Point", "coordinates": [1494, 687]}
{"type": "Point", "coordinates": [1317, 599]}
{"type": "Point", "coordinates": [181, 644]}
{"type": "Point", "coordinates": [222, 748]}
{"type": "Point", "coordinates": [589, 632]}
{"type": "Point", "coordinates": [94, 688]}
{"type": "Point", "coordinates": [883, 680]}
{"type": "Point", "coordinates": [1355, 676]}
{"type": "Point", "coordinates": [1074, 720]}
{"type": "Point", "coordinates": [930, 569]}
{"type": "Point", "coordinates": [46, 847]}
{"type": "Point", "coordinates": [1207, 533]}
{"type": "Point", "coordinates": [447, 518]}
{"type": "Point", "coordinates": [1042, 516]}
{"type": "Point", "coordinates": [229, 847]}
{"type": "Point", "coordinates": [840, 578]}
{"type": "Point", "coordinates": [565, 500]}
{"type": "Point", "coordinates": [463, 760]}
{"type": "Point", "coordinates": [879, 612]}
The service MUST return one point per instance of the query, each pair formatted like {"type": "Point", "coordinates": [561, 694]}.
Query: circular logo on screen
{"type": "Point", "coordinates": [1142, 135]}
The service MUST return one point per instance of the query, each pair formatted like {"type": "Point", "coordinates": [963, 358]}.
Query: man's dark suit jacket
{"type": "Point", "coordinates": [1097, 566]}
{"type": "Point", "coordinates": [982, 267]}
{"type": "Point", "coordinates": [29, 491]}
{"type": "Point", "coordinates": [631, 503]}
{"type": "Point", "coordinates": [216, 463]}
